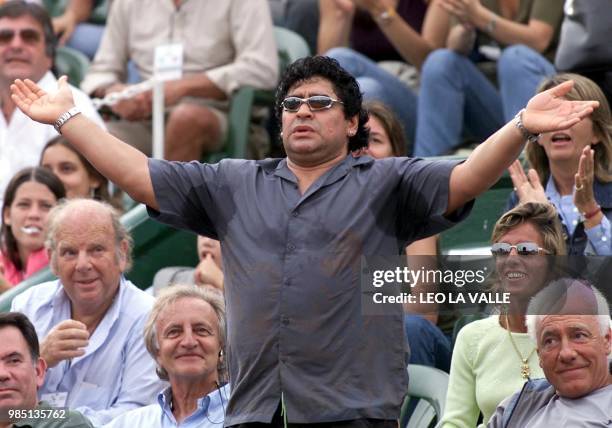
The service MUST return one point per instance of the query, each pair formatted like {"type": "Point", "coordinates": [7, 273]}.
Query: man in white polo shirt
{"type": "Point", "coordinates": [27, 49]}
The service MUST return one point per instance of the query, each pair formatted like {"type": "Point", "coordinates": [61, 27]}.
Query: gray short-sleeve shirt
{"type": "Point", "coordinates": [291, 264]}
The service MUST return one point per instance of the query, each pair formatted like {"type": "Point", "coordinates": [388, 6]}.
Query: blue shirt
{"type": "Point", "coordinates": [116, 374]}
{"type": "Point", "coordinates": [209, 413]}
{"type": "Point", "coordinates": [580, 241]}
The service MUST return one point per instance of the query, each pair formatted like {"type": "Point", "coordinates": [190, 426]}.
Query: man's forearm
{"type": "Point", "coordinates": [196, 85]}
{"type": "Point", "coordinates": [119, 162]}
{"type": "Point", "coordinates": [334, 27]}
{"type": "Point", "coordinates": [80, 9]}
{"type": "Point", "coordinates": [485, 165]}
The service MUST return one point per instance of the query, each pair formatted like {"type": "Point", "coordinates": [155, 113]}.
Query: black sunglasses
{"type": "Point", "coordinates": [316, 102]}
{"type": "Point", "coordinates": [28, 35]}
{"type": "Point", "coordinates": [523, 249]}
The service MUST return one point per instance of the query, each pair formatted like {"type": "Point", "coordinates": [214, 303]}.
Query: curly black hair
{"type": "Point", "coordinates": [344, 84]}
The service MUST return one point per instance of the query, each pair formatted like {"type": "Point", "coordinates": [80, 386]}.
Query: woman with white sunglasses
{"type": "Point", "coordinates": [493, 357]}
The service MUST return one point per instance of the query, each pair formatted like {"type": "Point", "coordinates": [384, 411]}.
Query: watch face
{"type": "Point", "coordinates": [533, 138]}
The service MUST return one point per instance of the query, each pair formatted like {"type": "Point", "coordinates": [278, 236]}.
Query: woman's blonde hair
{"type": "Point", "coordinates": [546, 221]}
{"type": "Point", "coordinates": [543, 217]}
{"type": "Point", "coordinates": [584, 89]}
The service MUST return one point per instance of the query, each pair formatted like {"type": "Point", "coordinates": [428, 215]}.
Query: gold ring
{"type": "Point", "coordinates": [579, 188]}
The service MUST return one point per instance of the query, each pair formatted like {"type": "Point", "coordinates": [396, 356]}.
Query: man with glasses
{"type": "Point", "coordinates": [293, 231]}
{"type": "Point", "coordinates": [27, 50]}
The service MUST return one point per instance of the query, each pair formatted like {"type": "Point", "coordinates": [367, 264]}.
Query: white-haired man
{"type": "Point", "coordinates": [570, 323]}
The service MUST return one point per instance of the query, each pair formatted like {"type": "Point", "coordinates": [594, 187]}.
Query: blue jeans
{"type": "Point", "coordinates": [454, 95]}
{"type": "Point", "coordinates": [428, 345]}
{"type": "Point", "coordinates": [86, 38]}
{"type": "Point", "coordinates": [378, 85]}
{"type": "Point", "coordinates": [520, 70]}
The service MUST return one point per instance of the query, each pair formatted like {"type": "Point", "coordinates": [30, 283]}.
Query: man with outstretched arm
{"type": "Point", "coordinates": [293, 231]}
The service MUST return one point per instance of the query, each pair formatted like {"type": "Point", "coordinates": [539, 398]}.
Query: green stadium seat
{"type": "Point", "coordinates": [98, 14]}
{"type": "Point", "coordinates": [72, 63]}
{"type": "Point", "coordinates": [429, 385]}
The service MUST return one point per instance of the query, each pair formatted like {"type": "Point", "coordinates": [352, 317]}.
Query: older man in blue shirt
{"type": "Point", "coordinates": [185, 333]}
{"type": "Point", "coordinates": [91, 319]}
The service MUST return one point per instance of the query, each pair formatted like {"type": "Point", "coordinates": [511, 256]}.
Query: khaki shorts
{"type": "Point", "coordinates": [140, 134]}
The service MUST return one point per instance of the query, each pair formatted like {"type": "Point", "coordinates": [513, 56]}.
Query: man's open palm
{"type": "Point", "coordinates": [549, 111]}
{"type": "Point", "coordinates": [39, 105]}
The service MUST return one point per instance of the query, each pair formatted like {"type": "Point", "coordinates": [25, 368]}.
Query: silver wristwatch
{"type": "Point", "coordinates": [528, 136]}
{"type": "Point", "coordinates": [65, 117]}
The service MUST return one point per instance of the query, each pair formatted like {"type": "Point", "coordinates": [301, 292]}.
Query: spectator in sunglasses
{"type": "Point", "coordinates": [571, 169]}
{"type": "Point", "coordinates": [493, 357]}
{"type": "Point", "coordinates": [27, 50]}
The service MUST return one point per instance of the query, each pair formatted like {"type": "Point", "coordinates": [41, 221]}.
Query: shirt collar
{"type": "Point", "coordinates": [216, 398]}
{"type": "Point", "coordinates": [280, 169]}
{"type": "Point", "coordinates": [552, 192]}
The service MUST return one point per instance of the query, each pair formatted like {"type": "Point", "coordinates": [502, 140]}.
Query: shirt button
{"type": "Point", "coordinates": [290, 247]}
{"type": "Point", "coordinates": [287, 282]}
{"type": "Point", "coordinates": [604, 238]}
{"type": "Point", "coordinates": [295, 213]}
{"type": "Point", "coordinates": [285, 320]}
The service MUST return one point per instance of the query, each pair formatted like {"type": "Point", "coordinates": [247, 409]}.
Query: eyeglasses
{"type": "Point", "coordinates": [315, 103]}
{"type": "Point", "coordinates": [502, 249]}
{"type": "Point", "coordinates": [28, 35]}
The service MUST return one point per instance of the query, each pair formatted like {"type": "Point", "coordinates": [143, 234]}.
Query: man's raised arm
{"type": "Point", "coordinates": [545, 112]}
{"type": "Point", "coordinates": [116, 160]}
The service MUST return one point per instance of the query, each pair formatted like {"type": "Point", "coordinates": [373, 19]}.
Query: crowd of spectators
{"type": "Point", "coordinates": [433, 74]}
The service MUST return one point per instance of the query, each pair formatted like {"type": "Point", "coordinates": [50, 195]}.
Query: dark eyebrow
{"type": "Point", "coordinates": [311, 95]}
{"type": "Point", "coordinates": [12, 355]}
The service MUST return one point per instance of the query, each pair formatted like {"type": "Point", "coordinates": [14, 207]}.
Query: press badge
{"type": "Point", "coordinates": [55, 399]}
{"type": "Point", "coordinates": [168, 64]}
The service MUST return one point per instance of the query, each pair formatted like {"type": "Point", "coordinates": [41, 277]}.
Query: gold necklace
{"type": "Point", "coordinates": [525, 370]}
